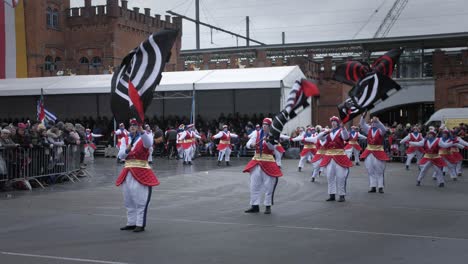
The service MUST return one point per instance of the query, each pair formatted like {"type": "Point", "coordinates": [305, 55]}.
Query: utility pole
{"type": "Point", "coordinates": [283, 36]}
{"type": "Point", "coordinates": [197, 22]}
{"type": "Point", "coordinates": [247, 30]}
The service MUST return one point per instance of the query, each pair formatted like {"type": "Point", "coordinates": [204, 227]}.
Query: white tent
{"type": "Point", "coordinates": [247, 86]}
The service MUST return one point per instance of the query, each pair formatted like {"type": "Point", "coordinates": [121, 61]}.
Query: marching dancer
{"type": "Point", "coordinates": [445, 153]}
{"type": "Point", "coordinates": [121, 133]}
{"type": "Point", "coordinates": [413, 151]}
{"type": "Point", "coordinates": [320, 143]}
{"type": "Point", "coordinates": [136, 178]}
{"type": "Point", "coordinates": [431, 158]}
{"type": "Point", "coordinates": [374, 155]}
{"type": "Point", "coordinates": [224, 146]}
{"type": "Point", "coordinates": [264, 172]}
{"type": "Point", "coordinates": [456, 153]}
{"type": "Point", "coordinates": [352, 146]}
{"type": "Point", "coordinates": [335, 161]}
{"type": "Point", "coordinates": [179, 147]}
{"type": "Point", "coordinates": [279, 150]}
{"type": "Point", "coordinates": [309, 149]}
{"type": "Point", "coordinates": [187, 138]}
{"type": "Point", "coordinates": [89, 142]}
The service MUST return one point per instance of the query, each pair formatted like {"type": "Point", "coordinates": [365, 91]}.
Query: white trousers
{"type": "Point", "coordinates": [316, 168]}
{"type": "Point", "coordinates": [459, 167]}
{"type": "Point", "coordinates": [150, 157]}
{"type": "Point", "coordinates": [226, 153]}
{"type": "Point", "coordinates": [451, 168]}
{"type": "Point", "coordinates": [309, 156]}
{"type": "Point", "coordinates": [437, 172]}
{"type": "Point", "coordinates": [375, 170]}
{"type": "Point", "coordinates": [336, 176]}
{"type": "Point", "coordinates": [136, 198]}
{"type": "Point", "coordinates": [409, 157]}
{"type": "Point", "coordinates": [278, 156]}
{"type": "Point", "coordinates": [350, 152]}
{"type": "Point", "coordinates": [260, 183]}
{"type": "Point", "coordinates": [188, 154]}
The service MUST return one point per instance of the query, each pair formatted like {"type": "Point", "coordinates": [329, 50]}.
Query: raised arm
{"type": "Point", "coordinates": [344, 133]}
{"type": "Point", "coordinates": [462, 142]}
{"type": "Point", "coordinates": [298, 138]}
{"type": "Point", "coordinates": [123, 146]}
{"type": "Point", "coordinates": [219, 135]}
{"type": "Point", "coordinates": [252, 140]}
{"type": "Point", "coordinates": [447, 144]}
{"type": "Point", "coordinates": [147, 138]}
{"type": "Point", "coordinates": [361, 136]}
{"type": "Point", "coordinates": [405, 139]}
{"type": "Point", "coordinates": [364, 125]}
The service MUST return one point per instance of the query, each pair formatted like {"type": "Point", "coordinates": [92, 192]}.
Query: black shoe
{"type": "Point", "coordinates": [189, 163]}
{"type": "Point", "coordinates": [443, 173]}
{"type": "Point", "coordinates": [418, 183]}
{"type": "Point", "coordinates": [342, 199]}
{"type": "Point", "coordinates": [219, 163]}
{"type": "Point", "coordinates": [268, 210]}
{"type": "Point", "coordinates": [128, 228]}
{"type": "Point", "coordinates": [150, 162]}
{"type": "Point", "coordinates": [381, 190]}
{"type": "Point", "coordinates": [454, 179]}
{"type": "Point", "coordinates": [407, 167]}
{"type": "Point", "coordinates": [434, 178]}
{"type": "Point", "coordinates": [459, 174]}
{"type": "Point", "coordinates": [253, 209]}
{"type": "Point", "coordinates": [332, 198]}
{"type": "Point", "coordinates": [138, 229]}
{"type": "Point", "coordinates": [372, 190]}
{"type": "Point", "coordinates": [357, 164]}
{"type": "Point", "coordinates": [299, 169]}
{"type": "Point", "coordinates": [441, 185]}
{"type": "Point", "coordinates": [184, 162]}
{"type": "Point", "coordinates": [227, 163]}
{"type": "Point", "coordinates": [313, 179]}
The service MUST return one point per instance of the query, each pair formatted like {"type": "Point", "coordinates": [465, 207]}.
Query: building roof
{"type": "Point", "coordinates": [249, 78]}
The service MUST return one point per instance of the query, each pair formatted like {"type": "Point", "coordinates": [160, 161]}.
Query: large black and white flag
{"type": "Point", "coordinates": [371, 84]}
{"type": "Point", "coordinates": [134, 82]}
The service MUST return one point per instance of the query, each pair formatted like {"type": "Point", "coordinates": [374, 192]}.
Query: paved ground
{"type": "Point", "coordinates": [196, 216]}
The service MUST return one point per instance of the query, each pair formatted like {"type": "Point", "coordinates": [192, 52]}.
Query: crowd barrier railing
{"type": "Point", "coordinates": [40, 164]}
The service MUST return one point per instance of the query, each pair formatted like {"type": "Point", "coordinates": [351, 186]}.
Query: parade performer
{"type": "Point", "coordinates": [186, 139]}
{"type": "Point", "coordinates": [446, 154]}
{"type": "Point", "coordinates": [121, 133]}
{"type": "Point", "coordinates": [224, 146]}
{"type": "Point", "coordinates": [335, 161]}
{"type": "Point", "coordinates": [309, 149]}
{"type": "Point", "coordinates": [136, 178]}
{"type": "Point", "coordinates": [431, 158]}
{"type": "Point", "coordinates": [180, 149]}
{"type": "Point", "coordinates": [151, 149]}
{"type": "Point", "coordinates": [320, 143]}
{"type": "Point", "coordinates": [279, 150]}
{"type": "Point", "coordinates": [456, 153]}
{"type": "Point", "coordinates": [374, 155]}
{"type": "Point", "coordinates": [413, 151]}
{"type": "Point", "coordinates": [352, 146]}
{"type": "Point", "coordinates": [89, 146]}
{"type": "Point", "coordinates": [264, 171]}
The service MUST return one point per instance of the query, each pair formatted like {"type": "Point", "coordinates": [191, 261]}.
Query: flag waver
{"type": "Point", "coordinates": [134, 82]}
{"type": "Point", "coordinates": [42, 113]}
{"type": "Point", "coordinates": [371, 84]}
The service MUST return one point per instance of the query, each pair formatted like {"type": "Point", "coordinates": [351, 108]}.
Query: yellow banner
{"type": "Point", "coordinates": [21, 59]}
{"type": "Point", "coordinates": [454, 122]}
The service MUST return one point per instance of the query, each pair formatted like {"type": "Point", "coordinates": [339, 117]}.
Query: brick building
{"type": "Point", "coordinates": [89, 39]}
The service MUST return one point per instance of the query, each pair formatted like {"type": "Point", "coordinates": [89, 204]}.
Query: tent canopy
{"type": "Point", "coordinates": [249, 78]}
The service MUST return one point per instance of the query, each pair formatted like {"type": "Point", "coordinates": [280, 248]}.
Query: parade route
{"type": "Point", "coordinates": [197, 215]}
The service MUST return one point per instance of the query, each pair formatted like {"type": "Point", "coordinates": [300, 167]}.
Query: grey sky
{"type": "Point", "coordinates": [307, 20]}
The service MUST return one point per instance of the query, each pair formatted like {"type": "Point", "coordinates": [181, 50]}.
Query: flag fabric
{"type": "Point", "coordinates": [371, 84]}
{"type": "Point", "coordinates": [42, 114]}
{"type": "Point", "coordinates": [133, 84]}
{"type": "Point", "coordinates": [13, 60]}
{"type": "Point", "coordinates": [296, 103]}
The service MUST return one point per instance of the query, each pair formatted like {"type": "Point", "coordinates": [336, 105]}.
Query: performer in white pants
{"type": "Point", "coordinates": [352, 146]}
{"type": "Point", "coordinates": [149, 131]}
{"type": "Point", "coordinates": [136, 178]}
{"type": "Point", "coordinates": [456, 153]}
{"type": "Point", "coordinates": [374, 154]}
{"type": "Point", "coordinates": [447, 156]}
{"type": "Point", "coordinates": [121, 133]}
{"type": "Point", "coordinates": [413, 151]}
{"type": "Point", "coordinates": [264, 172]}
{"type": "Point", "coordinates": [309, 149]}
{"type": "Point", "coordinates": [224, 146]}
{"type": "Point", "coordinates": [335, 161]}
{"type": "Point", "coordinates": [179, 147]}
{"type": "Point", "coordinates": [279, 150]}
{"type": "Point", "coordinates": [431, 158]}
{"type": "Point", "coordinates": [187, 138]}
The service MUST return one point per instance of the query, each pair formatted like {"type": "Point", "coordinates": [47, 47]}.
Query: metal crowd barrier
{"type": "Point", "coordinates": [40, 164]}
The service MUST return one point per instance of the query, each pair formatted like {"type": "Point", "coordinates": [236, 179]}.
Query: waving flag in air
{"type": "Point", "coordinates": [371, 84]}
{"type": "Point", "coordinates": [42, 114]}
{"type": "Point", "coordinates": [133, 84]}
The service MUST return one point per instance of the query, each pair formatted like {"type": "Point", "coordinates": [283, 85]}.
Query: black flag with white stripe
{"type": "Point", "coordinates": [371, 84]}
{"type": "Point", "coordinates": [134, 82]}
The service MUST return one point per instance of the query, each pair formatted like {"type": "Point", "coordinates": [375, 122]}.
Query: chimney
{"type": "Point", "coordinates": [168, 19]}
{"type": "Point", "coordinates": [124, 4]}
{"type": "Point", "coordinates": [87, 3]}
{"type": "Point", "coordinates": [147, 11]}
{"type": "Point", "coordinates": [136, 10]}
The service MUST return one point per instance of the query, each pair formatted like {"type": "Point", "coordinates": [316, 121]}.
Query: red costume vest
{"type": "Point", "coordinates": [188, 140]}
{"type": "Point", "coordinates": [320, 151]}
{"type": "Point", "coordinates": [309, 147]}
{"type": "Point", "coordinates": [375, 146]}
{"type": "Point", "coordinates": [335, 151]}
{"type": "Point", "coordinates": [224, 141]}
{"type": "Point", "coordinates": [413, 138]}
{"type": "Point", "coordinates": [432, 154]}
{"type": "Point", "coordinates": [266, 160]}
{"type": "Point", "coordinates": [137, 164]}
{"type": "Point", "coordinates": [447, 154]}
{"type": "Point", "coordinates": [353, 141]}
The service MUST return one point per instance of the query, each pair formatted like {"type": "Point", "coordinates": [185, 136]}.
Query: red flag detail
{"type": "Point", "coordinates": [310, 89]}
{"type": "Point", "coordinates": [136, 100]}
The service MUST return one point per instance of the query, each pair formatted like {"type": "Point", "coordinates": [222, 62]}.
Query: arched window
{"type": "Point", "coordinates": [84, 60]}
{"type": "Point", "coordinates": [48, 64]}
{"type": "Point", "coordinates": [96, 62]}
{"type": "Point", "coordinates": [55, 18]}
{"type": "Point", "coordinates": [49, 17]}
{"type": "Point", "coordinates": [58, 62]}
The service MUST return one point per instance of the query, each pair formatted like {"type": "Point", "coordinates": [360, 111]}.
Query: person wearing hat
{"type": "Point", "coordinates": [431, 159]}
{"type": "Point", "coordinates": [279, 149]}
{"type": "Point", "coordinates": [21, 137]}
{"type": "Point", "coordinates": [121, 133]}
{"type": "Point", "coordinates": [187, 139]}
{"type": "Point", "coordinates": [89, 145]}
{"type": "Point", "coordinates": [180, 149]}
{"type": "Point", "coordinates": [413, 151]}
{"type": "Point", "coordinates": [456, 153]}
{"type": "Point", "coordinates": [264, 172]}
{"type": "Point", "coordinates": [320, 143]}
{"type": "Point", "coordinates": [447, 156]}
{"type": "Point", "coordinates": [224, 146]}
{"type": "Point", "coordinates": [137, 178]}
{"type": "Point", "coordinates": [335, 161]}
{"type": "Point", "coordinates": [309, 149]}
{"type": "Point", "coordinates": [374, 155]}
{"type": "Point", "coordinates": [352, 146]}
